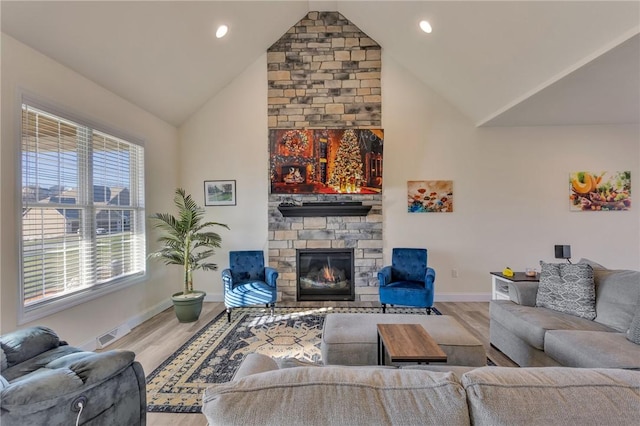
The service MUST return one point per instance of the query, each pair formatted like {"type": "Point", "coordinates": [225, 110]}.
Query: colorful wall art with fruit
{"type": "Point", "coordinates": [603, 191]}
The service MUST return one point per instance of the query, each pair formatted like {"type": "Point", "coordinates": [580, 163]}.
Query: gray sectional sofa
{"type": "Point", "coordinates": [538, 336]}
{"type": "Point", "coordinates": [44, 381]}
{"type": "Point", "coordinates": [262, 393]}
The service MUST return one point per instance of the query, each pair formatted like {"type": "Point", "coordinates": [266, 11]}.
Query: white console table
{"type": "Point", "coordinates": [500, 283]}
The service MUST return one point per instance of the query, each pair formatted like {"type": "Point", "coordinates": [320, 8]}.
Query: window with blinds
{"type": "Point", "coordinates": [82, 210]}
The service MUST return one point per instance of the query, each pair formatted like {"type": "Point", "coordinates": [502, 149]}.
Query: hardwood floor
{"type": "Point", "coordinates": [156, 339]}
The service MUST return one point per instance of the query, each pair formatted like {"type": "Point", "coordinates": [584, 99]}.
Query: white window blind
{"type": "Point", "coordinates": [82, 209]}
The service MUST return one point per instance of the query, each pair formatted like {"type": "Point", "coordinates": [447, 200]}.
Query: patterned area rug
{"type": "Point", "coordinates": [214, 353]}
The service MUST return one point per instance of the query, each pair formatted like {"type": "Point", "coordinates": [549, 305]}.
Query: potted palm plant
{"type": "Point", "coordinates": [187, 241]}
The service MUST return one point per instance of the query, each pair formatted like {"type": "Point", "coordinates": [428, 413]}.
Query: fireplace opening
{"type": "Point", "coordinates": [325, 274]}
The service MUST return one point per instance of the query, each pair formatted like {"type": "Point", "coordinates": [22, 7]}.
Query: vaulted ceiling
{"type": "Point", "coordinates": [503, 63]}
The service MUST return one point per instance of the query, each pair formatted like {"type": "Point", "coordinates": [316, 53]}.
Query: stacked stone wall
{"type": "Point", "coordinates": [325, 73]}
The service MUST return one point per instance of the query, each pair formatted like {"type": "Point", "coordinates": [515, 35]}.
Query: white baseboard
{"type": "Point", "coordinates": [462, 297]}
{"type": "Point", "coordinates": [132, 322]}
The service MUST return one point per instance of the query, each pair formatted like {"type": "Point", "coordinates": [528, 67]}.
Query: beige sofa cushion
{"type": "Point", "coordinates": [552, 396]}
{"type": "Point", "coordinates": [338, 396]}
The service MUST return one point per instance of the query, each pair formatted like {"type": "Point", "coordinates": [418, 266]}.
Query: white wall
{"type": "Point", "coordinates": [511, 188]}
{"type": "Point", "coordinates": [510, 184]}
{"type": "Point", "coordinates": [227, 139]}
{"type": "Point", "coordinates": [27, 70]}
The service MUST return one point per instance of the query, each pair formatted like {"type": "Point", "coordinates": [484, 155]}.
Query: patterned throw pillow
{"type": "Point", "coordinates": [633, 334]}
{"type": "Point", "coordinates": [567, 288]}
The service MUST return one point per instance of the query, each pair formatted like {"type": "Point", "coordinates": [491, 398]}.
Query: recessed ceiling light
{"type": "Point", "coordinates": [222, 31]}
{"type": "Point", "coordinates": [425, 26]}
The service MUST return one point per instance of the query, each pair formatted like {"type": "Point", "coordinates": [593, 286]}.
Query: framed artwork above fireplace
{"type": "Point", "coordinates": [326, 161]}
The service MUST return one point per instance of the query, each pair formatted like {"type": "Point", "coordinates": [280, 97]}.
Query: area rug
{"type": "Point", "coordinates": [214, 353]}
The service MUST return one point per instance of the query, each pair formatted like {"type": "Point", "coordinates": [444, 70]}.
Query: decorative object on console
{"type": "Point", "coordinates": [430, 196]}
{"type": "Point", "coordinates": [186, 241]}
{"type": "Point", "coordinates": [567, 288]}
{"type": "Point", "coordinates": [326, 161]}
{"type": "Point", "coordinates": [219, 192]}
{"type": "Point", "coordinates": [589, 191]}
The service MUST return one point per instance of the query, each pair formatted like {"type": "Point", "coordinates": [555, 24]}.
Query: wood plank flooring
{"type": "Point", "coordinates": [156, 339]}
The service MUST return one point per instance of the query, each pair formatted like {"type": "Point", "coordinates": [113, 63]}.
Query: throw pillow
{"type": "Point", "coordinates": [567, 288]}
{"type": "Point", "coordinates": [633, 334]}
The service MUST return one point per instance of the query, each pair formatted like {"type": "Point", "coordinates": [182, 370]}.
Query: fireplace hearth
{"type": "Point", "coordinates": [325, 274]}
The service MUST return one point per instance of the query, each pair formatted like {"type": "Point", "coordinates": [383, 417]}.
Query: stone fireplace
{"type": "Point", "coordinates": [324, 73]}
{"type": "Point", "coordinates": [361, 234]}
{"type": "Point", "coordinates": [325, 274]}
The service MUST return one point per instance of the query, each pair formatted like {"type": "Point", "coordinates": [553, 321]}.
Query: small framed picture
{"type": "Point", "coordinates": [219, 192]}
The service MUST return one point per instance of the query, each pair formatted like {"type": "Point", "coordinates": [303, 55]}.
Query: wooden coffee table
{"type": "Point", "coordinates": [407, 343]}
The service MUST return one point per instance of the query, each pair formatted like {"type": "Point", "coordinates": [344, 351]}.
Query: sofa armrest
{"type": "Point", "coordinates": [93, 367]}
{"type": "Point", "coordinates": [384, 276]}
{"type": "Point", "coordinates": [270, 276]}
{"type": "Point", "coordinates": [41, 387]}
{"type": "Point", "coordinates": [255, 363]}
{"type": "Point", "coordinates": [67, 374]}
{"type": "Point", "coordinates": [227, 279]}
{"type": "Point", "coordinates": [429, 278]}
{"type": "Point", "coordinates": [523, 293]}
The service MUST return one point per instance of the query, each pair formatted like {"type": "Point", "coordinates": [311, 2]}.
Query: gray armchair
{"type": "Point", "coordinates": [45, 381]}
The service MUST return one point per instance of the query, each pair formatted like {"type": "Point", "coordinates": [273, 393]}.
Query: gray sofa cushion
{"type": "Point", "coordinates": [618, 295]}
{"type": "Point", "coordinates": [338, 396]}
{"type": "Point", "coordinates": [552, 396]}
{"type": "Point", "coordinates": [531, 324]}
{"type": "Point", "coordinates": [37, 362]}
{"type": "Point", "coordinates": [590, 349]}
{"type": "Point", "coordinates": [24, 344]}
{"type": "Point", "coordinates": [567, 288]}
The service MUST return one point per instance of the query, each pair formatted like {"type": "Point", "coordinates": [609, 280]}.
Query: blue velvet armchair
{"type": "Point", "coordinates": [408, 281]}
{"type": "Point", "coordinates": [248, 282]}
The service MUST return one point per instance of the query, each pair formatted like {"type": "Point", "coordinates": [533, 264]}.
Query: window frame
{"type": "Point", "coordinates": [48, 307]}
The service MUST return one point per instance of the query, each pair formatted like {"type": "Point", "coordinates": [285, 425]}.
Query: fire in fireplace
{"type": "Point", "coordinates": [325, 274]}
